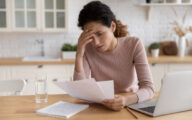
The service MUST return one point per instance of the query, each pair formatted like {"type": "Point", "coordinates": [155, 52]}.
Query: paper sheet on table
{"type": "Point", "coordinates": [89, 89]}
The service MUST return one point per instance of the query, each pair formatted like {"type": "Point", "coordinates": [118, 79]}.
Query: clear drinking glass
{"type": "Point", "coordinates": [41, 95]}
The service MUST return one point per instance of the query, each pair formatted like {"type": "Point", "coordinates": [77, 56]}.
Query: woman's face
{"type": "Point", "coordinates": [103, 37]}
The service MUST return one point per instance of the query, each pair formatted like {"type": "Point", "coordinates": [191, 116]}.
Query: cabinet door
{"type": "Point", "coordinates": [158, 72]}
{"type": "Point", "coordinates": [54, 73]}
{"type": "Point", "coordinates": [57, 73]}
{"type": "Point", "coordinates": [54, 15]}
{"type": "Point", "coordinates": [25, 73]}
{"type": "Point", "coordinates": [25, 15]}
{"type": "Point", "coordinates": [179, 67]}
{"type": "Point", "coordinates": [5, 73]}
{"type": "Point", "coordinates": [4, 24]}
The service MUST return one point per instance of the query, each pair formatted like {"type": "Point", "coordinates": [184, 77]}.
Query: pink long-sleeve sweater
{"type": "Point", "coordinates": [127, 65]}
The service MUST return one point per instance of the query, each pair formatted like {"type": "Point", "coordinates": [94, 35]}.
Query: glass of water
{"type": "Point", "coordinates": [41, 95]}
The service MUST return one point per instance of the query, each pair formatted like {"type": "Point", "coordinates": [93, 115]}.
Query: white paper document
{"type": "Point", "coordinates": [89, 89]}
{"type": "Point", "coordinates": [62, 109]}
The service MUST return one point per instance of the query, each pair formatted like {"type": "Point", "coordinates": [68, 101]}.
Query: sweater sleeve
{"type": "Point", "coordinates": [146, 89]}
{"type": "Point", "coordinates": [84, 74]}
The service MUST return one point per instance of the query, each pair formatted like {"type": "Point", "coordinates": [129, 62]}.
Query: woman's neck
{"type": "Point", "coordinates": [113, 44]}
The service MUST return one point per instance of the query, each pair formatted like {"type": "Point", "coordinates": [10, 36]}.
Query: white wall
{"type": "Point", "coordinates": [24, 44]}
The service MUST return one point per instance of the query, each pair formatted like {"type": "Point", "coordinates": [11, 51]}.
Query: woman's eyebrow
{"type": "Point", "coordinates": [98, 32]}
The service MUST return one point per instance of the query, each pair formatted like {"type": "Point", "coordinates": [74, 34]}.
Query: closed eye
{"type": "Point", "coordinates": [99, 33]}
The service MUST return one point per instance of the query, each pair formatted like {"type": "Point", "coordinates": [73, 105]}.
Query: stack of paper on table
{"type": "Point", "coordinates": [89, 89]}
{"type": "Point", "coordinates": [62, 109]}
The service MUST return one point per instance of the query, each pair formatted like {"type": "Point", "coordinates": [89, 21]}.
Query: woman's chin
{"type": "Point", "coordinates": [101, 49]}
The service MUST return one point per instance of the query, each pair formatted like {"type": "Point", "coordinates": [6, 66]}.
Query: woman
{"type": "Point", "coordinates": [106, 53]}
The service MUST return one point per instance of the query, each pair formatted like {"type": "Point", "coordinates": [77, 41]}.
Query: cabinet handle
{"type": "Point", "coordinates": [153, 64]}
{"type": "Point", "coordinates": [40, 66]}
{"type": "Point", "coordinates": [55, 80]}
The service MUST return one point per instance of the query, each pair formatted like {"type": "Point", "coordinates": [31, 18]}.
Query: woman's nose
{"type": "Point", "coordinates": [95, 41]}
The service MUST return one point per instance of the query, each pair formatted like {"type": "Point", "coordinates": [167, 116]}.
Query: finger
{"type": "Point", "coordinates": [86, 30]}
{"type": "Point", "coordinates": [83, 39]}
{"type": "Point", "coordinates": [81, 34]}
{"type": "Point", "coordinates": [82, 44]}
{"type": "Point", "coordinates": [87, 41]}
{"type": "Point", "coordinates": [117, 109]}
{"type": "Point", "coordinates": [84, 34]}
{"type": "Point", "coordinates": [120, 106]}
{"type": "Point", "coordinates": [109, 101]}
{"type": "Point", "coordinates": [117, 96]}
{"type": "Point", "coordinates": [88, 36]}
{"type": "Point", "coordinates": [118, 103]}
{"type": "Point", "coordinates": [108, 106]}
{"type": "Point", "coordinates": [114, 107]}
{"type": "Point", "coordinates": [113, 101]}
{"type": "Point", "coordinates": [118, 100]}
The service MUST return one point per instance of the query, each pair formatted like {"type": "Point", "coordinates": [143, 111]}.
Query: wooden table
{"type": "Point", "coordinates": [24, 107]}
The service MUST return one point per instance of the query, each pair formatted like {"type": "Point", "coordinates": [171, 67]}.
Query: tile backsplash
{"type": "Point", "coordinates": [19, 44]}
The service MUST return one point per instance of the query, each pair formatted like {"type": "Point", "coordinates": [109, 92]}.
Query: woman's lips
{"type": "Point", "coordinates": [99, 47]}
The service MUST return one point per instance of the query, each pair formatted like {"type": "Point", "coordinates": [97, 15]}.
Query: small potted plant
{"type": "Point", "coordinates": [154, 47]}
{"type": "Point", "coordinates": [68, 51]}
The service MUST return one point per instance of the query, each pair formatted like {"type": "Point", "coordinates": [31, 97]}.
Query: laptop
{"type": "Point", "coordinates": [175, 96]}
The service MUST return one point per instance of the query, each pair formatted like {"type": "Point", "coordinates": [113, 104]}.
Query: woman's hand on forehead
{"type": "Point", "coordinates": [89, 31]}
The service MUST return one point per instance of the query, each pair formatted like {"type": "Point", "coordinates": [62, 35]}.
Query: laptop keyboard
{"type": "Point", "coordinates": [148, 109]}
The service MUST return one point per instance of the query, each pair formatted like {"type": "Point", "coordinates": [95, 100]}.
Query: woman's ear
{"type": "Point", "coordinates": [113, 26]}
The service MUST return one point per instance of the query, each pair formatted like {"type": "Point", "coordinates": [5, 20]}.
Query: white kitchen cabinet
{"type": "Point", "coordinates": [33, 15]}
{"type": "Point", "coordinates": [4, 15]}
{"type": "Point", "coordinates": [158, 72]}
{"type": "Point", "coordinates": [58, 73]}
{"type": "Point", "coordinates": [179, 67]}
{"type": "Point", "coordinates": [28, 72]}
{"type": "Point", "coordinates": [4, 73]}
{"type": "Point", "coordinates": [25, 15]}
{"type": "Point", "coordinates": [54, 15]}
{"type": "Point", "coordinates": [65, 73]}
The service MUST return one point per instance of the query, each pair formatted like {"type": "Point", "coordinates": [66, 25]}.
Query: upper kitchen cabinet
{"type": "Point", "coordinates": [33, 15]}
{"type": "Point", "coordinates": [25, 15]}
{"type": "Point", "coordinates": [54, 15]}
{"type": "Point", "coordinates": [4, 13]}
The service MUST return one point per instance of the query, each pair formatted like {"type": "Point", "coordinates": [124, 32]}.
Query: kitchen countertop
{"type": "Point", "coordinates": [18, 61]}
{"type": "Point", "coordinates": [159, 60]}
{"type": "Point", "coordinates": [169, 59]}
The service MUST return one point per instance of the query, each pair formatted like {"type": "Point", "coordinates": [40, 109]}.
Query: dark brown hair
{"type": "Point", "coordinates": [96, 11]}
